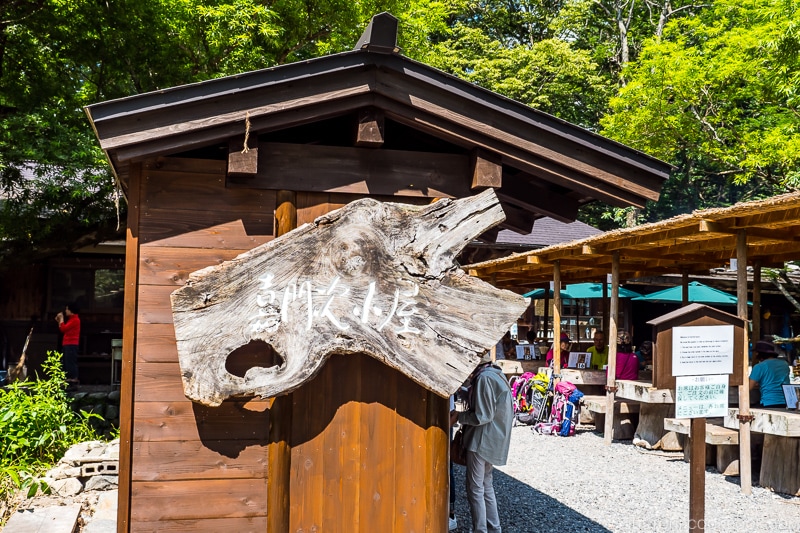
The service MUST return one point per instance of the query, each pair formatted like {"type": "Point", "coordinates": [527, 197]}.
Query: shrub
{"type": "Point", "coordinates": [37, 425]}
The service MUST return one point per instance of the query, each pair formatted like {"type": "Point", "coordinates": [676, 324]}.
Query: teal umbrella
{"type": "Point", "coordinates": [698, 293]}
{"type": "Point", "coordinates": [584, 291]}
{"type": "Point", "coordinates": [538, 294]}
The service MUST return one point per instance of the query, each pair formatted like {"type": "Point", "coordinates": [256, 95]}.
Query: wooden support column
{"type": "Point", "coordinates": [745, 474]}
{"type": "Point", "coordinates": [279, 450]}
{"type": "Point", "coordinates": [557, 319]}
{"type": "Point", "coordinates": [756, 314]}
{"type": "Point", "coordinates": [285, 212]}
{"type": "Point", "coordinates": [684, 288]}
{"type": "Point", "coordinates": [611, 382]}
{"type": "Point", "coordinates": [697, 476]}
{"type": "Point", "coordinates": [604, 307]}
{"type": "Point", "coordinates": [129, 326]}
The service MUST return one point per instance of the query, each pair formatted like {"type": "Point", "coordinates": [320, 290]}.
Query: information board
{"type": "Point", "coordinates": [701, 396]}
{"type": "Point", "coordinates": [699, 350]}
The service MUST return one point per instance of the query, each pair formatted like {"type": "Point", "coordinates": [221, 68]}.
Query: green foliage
{"type": "Point", "coordinates": [37, 425]}
{"type": "Point", "coordinates": [503, 53]}
{"type": "Point", "coordinates": [717, 97]}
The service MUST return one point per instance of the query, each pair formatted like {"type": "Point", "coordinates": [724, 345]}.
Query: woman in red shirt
{"type": "Point", "coordinates": [70, 325]}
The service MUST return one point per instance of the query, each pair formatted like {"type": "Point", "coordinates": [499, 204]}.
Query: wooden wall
{"type": "Point", "coordinates": [360, 432]}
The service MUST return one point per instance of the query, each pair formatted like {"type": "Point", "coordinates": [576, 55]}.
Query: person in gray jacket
{"type": "Point", "coordinates": [487, 438]}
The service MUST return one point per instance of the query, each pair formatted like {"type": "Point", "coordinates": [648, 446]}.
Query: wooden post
{"type": "Point", "coordinates": [757, 300]}
{"type": "Point", "coordinates": [611, 382]}
{"type": "Point", "coordinates": [279, 450]}
{"type": "Point", "coordinates": [745, 474]}
{"type": "Point", "coordinates": [546, 315]}
{"type": "Point", "coordinates": [557, 319]}
{"type": "Point", "coordinates": [697, 476]}
{"type": "Point", "coordinates": [684, 288]}
{"type": "Point", "coordinates": [604, 322]}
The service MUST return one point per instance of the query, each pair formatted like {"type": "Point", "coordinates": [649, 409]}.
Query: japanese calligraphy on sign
{"type": "Point", "coordinates": [701, 396]}
{"type": "Point", "coordinates": [316, 299]}
{"type": "Point", "coordinates": [373, 278]}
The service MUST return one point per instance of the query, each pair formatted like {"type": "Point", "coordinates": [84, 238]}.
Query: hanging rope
{"type": "Point", "coordinates": [246, 132]}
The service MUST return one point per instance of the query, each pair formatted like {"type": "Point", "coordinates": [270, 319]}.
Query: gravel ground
{"type": "Point", "coordinates": [578, 483]}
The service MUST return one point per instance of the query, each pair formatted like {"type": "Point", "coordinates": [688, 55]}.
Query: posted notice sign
{"type": "Point", "coordinates": [701, 396]}
{"type": "Point", "coordinates": [699, 350]}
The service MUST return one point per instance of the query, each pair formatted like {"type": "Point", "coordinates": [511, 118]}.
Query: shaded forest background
{"type": "Point", "coordinates": [711, 88]}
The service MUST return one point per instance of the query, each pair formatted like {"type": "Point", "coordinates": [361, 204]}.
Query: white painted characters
{"type": "Point", "coordinates": [319, 302]}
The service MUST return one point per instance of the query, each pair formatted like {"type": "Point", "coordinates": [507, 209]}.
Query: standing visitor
{"type": "Point", "coordinates": [69, 323]}
{"type": "Point", "coordinates": [487, 438]}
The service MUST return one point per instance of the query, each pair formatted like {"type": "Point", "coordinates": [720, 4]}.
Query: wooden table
{"type": "Point", "coordinates": [780, 458]}
{"type": "Point", "coordinates": [722, 444]}
{"type": "Point", "coordinates": [656, 405]}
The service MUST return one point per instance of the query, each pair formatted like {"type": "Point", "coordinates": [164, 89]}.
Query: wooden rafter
{"type": "Point", "coordinates": [693, 243]}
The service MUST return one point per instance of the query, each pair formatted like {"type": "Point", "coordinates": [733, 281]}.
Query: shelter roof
{"type": "Point", "coordinates": [692, 243]}
{"type": "Point", "coordinates": [549, 167]}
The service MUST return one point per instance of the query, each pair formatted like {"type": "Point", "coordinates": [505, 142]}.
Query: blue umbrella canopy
{"type": "Point", "coordinates": [583, 291]}
{"type": "Point", "coordinates": [698, 293]}
{"type": "Point", "coordinates": [538, 294]}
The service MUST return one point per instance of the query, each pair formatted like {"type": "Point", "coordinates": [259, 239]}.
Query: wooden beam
{"type": "Point", "coordinates": [535, 197]}
{"type": "Point", "coordinates": [789, 234]}
{"type": "Point", "coordinates": [344, 169]}
{"type": "Point", "coordinates": [370, 128]}
{"type": "Point", "coordinates": [517, 219]}
{"type": "Point", "coordinates": [567, 154]}
{"type": "Point", "coordinates": [487, 170]}
{"type": "Point", "coordinates": [513, 154]}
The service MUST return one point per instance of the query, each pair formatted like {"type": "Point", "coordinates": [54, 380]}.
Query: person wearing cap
{"type": "Point", "coordinates": [564, 345]}
{"type": "Point", "coordinates": [487, 438]}
{"type": "Point", "coordinates": [769, 375]}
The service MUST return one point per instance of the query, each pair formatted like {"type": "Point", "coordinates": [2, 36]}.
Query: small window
{"type": "Point", "coordinates": [98, 289]}
{"type": "Point", "coordinates": [109, 285]}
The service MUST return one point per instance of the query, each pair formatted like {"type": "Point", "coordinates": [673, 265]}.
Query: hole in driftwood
{"type": "Point", "coordinates": [254, 354]}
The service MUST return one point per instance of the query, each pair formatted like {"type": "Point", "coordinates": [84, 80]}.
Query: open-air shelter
{"type": "Point", "coordinates": [755, 234]}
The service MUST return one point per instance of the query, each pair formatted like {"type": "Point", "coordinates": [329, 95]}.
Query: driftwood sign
{"type": "Point", "coordinates": [375, 278]}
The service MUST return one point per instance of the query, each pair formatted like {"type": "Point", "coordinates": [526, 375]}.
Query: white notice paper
{"type": "Point", "coordinates": [699, 350]}
{"type": "Point", "coordinates": [701, 396]}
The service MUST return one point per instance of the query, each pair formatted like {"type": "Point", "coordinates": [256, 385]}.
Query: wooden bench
{"type": "Point", "coordinates": [780, 456]}
{"type": "Point", "coordinates": [656, 405]}
{"type": "Point", "coordinates": [722, 444]}
{"type": "Point", "coordinates": [623, 421]}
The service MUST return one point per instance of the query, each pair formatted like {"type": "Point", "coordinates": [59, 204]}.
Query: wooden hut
{"type": "Point", "coordinates": [215, 169]}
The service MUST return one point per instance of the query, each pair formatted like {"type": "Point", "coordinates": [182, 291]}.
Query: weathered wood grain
{"type": "Point", "coordinates": [178, 500]}
{"type": "Point", "coordinates": [187, 421]}
{"type": "Point", "coordinates": [345, 169]}
{"type": "Point", "coordinates": [201, 229]}
{"type": "Point", "coordinates": [168, 265]}
{"type": "Point", "coordinates": [374, 278]}
{"type": "Point", "coordinates": [184, 460]}
{"type": "Point", "coordinates": [249, 524]}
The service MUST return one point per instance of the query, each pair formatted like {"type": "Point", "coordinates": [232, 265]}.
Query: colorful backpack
{"type": "Point", "coordinates": [564, 413]}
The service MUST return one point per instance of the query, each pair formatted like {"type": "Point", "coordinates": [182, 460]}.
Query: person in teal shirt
{"type": "Point", "coordinates": [769, 375]}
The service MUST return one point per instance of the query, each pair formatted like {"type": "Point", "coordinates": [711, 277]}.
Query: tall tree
{"type": "Point", "coordinates": [57, 56]}
{"type": "Point", "coordinates": [717, 97]}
